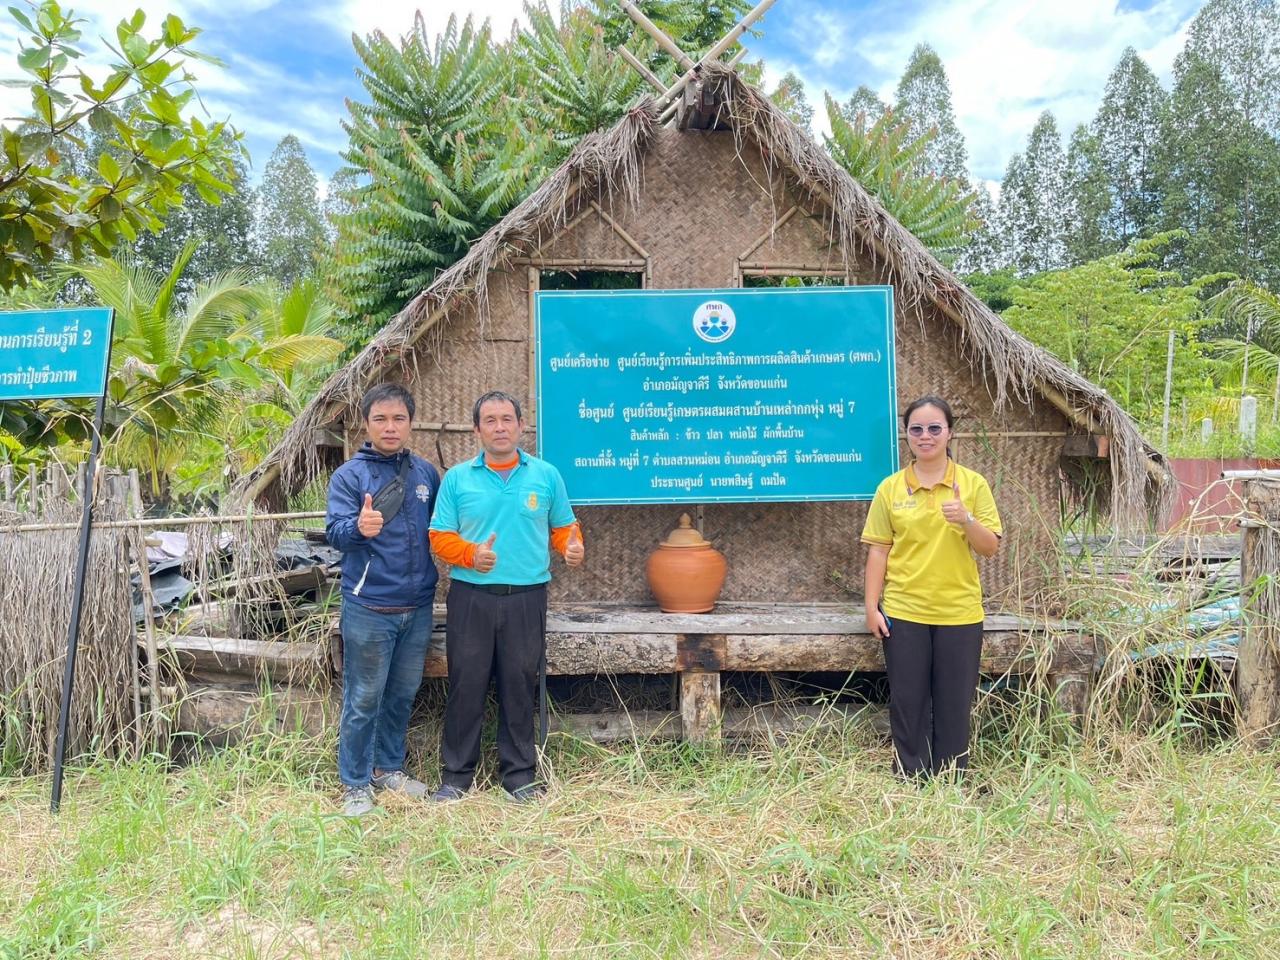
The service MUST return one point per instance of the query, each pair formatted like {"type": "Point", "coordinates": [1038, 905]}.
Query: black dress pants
{"type": "Point", "coordinates": [503, 637]}
{"type": "Point", "coordinates": [933, 675]}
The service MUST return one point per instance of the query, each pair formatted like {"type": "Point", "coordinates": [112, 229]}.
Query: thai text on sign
{"type": "Point", "coordinates": [48, 354]}
{"type": "Point", "coordinates": [661, 396]}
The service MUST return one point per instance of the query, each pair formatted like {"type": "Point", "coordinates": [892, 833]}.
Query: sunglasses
{"type": "Point", "coordinates": [917, 430]}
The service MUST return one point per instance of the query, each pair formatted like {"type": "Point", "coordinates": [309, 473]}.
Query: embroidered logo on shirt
{"type": "Point", "coordinates": [423, 492]}
{"type": "Point", "coordinates": [532, 502]}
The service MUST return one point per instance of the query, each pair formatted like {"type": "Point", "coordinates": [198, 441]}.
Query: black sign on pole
{"type": "Point", "coordinates": [47, 354]}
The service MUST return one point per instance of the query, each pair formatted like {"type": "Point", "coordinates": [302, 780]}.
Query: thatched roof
{"type": "Point", "coordinates": [608, 164]}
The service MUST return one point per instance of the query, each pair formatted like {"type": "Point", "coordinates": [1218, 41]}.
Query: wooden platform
{"type": "Point", "coordinates": [588, 640]}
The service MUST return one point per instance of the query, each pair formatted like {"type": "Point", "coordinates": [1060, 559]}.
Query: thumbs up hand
{"type": "Point", "coordinates": [486, 559]}
{"type": "Point", "coordinates": [370, 521]}
{"type": "Point", "coordinates": [574, 551]}
{"type": "Point", "coordinates": [954, 509]}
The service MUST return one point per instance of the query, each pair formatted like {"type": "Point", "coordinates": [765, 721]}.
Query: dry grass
{"type": "Point", "coordinates": [1135, 846]}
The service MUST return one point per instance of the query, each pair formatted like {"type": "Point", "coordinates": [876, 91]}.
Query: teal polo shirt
{"type": "Point", "coordinates": [475, 501]}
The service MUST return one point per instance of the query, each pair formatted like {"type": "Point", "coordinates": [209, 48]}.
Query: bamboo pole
{"type": "Point", "coordinates": [531, 398]}
{"type": "Point", "coordinates": [161, 522]}
{"type": "Point", "coordinates": [617, 228]}
{"type": "Point", "coordinates": [773, 229]}
{"type": "Point", "coordinates": [649, 27]}
{"type": "Point", "coordinates": [727, 41]}
{"type": "Point", "coordinates": [640, 68]}
{"type": "Point", "coordinates": [629, 265]}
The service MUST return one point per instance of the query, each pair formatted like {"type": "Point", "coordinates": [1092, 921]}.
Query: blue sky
{"type": "Point", "coordinates": [291, 67]}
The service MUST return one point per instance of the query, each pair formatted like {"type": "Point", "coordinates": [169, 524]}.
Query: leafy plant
{"type": "Point", "coordinates": [47, 206]}
{"type": "Point", "coordinates": [886, 157]}
{"type": "Point", "coordinates": [1255, 313]}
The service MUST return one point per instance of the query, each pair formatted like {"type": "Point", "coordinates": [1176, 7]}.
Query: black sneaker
{"type": "Point", "coordinates": [529, 793]}
{"type": "Point", "coordinates": [448, 793]}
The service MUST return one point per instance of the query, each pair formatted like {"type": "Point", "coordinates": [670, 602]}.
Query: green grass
{"type": "Point", "coordinates": [1124, 846]}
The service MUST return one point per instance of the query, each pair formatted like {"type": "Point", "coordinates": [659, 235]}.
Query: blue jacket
{"type": "Point", "coordinates": [395, 568]}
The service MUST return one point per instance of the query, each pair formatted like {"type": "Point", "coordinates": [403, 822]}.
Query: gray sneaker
{"type": "Point", "coordinates": [400, 782]}
{"type": "Point", "coordinates": [357, 801]}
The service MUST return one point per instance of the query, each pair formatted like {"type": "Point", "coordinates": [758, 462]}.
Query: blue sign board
{"type": "Point", "coordinates": [704, 396]}
{"type": "Point", "coordinates": [47, 354]}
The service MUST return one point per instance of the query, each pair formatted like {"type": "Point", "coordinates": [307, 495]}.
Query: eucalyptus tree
{"type": "Point", "coordinates": [289, 229]}
{"type": "Point", "coordinates": [1220, 158]}
{"type": "Point", "coordinates": [866, 101]}
{"type": "Point", "coordinates": [924, 100]}
{"type": "Point", "coordinates": [1126, 130]}
{"type": "Point", "coordinates": [1032, 216]}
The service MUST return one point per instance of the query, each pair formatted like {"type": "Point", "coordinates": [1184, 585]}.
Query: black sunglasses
{"type": "Point", "coordinates": [917, 430]}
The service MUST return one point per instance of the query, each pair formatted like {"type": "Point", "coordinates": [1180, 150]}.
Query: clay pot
{"type": "Point", "coordinates": [686, 573]}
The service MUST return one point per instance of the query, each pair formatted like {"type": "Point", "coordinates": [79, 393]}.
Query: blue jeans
{"type": "Point", "coordinates": [382, 657]}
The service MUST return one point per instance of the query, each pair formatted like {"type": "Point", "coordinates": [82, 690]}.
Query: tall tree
{"type": "Point", "coordinates": [924, 99]}
{"type": "Point", "coordinates": [982, 253]}
{"type": "Point", "coordinates": [1219, 151]}
{"type": "Point", "coordinates": [47, 206]}
{"type": "Point", "coordinates": [290, 231]}
{"type": "Point", "coordinates": [1088, 201]}
{"type": "Point", "coordinates": [338, 200]}
{"type": "Point", "coordinates": [1032, 214]}
{"type": "Point", "coordinates": [222, 233]}
{"type": "Point", "coordinates": [865, 101]}
{"type": "Point", "coordinates": [1127, 131]}
{"type": "Point", "coordinates": [790, 96]}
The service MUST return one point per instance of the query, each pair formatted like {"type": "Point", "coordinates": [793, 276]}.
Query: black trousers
{"type": "Point", "coordinates": [503, 637]}
{"type": "Point", "coordinates": [933, 675]}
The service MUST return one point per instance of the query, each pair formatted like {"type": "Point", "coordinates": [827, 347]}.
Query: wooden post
{"type": "Point", "coordinates": [1257, 676]}
{"type": "Point", "coordinates": [1070, 678]}
{"type": "Point", "coordinates": [700, 705]}
{"type": "Point", "coordinates": [138, 541]}
{"type": "Point", "coordinates": [1168, 390]}
{"type": "Point", "coordinates": [700, 658]}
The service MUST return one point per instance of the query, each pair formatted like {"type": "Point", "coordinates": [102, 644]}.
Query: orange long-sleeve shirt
{"type": "Point", "coordinates": [453, 550]}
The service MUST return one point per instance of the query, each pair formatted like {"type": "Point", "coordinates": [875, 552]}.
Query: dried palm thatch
{"type": "Point", "coordinates": [608, 165]}
{"type": "Point", "coordinates": [35, 608]}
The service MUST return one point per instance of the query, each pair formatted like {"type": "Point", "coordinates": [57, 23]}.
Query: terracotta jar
{"type": "Point", "coordinates": [686, 573]}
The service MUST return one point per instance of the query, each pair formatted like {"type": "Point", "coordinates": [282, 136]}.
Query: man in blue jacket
{"type": "Point", "coordinates": [379, 512]}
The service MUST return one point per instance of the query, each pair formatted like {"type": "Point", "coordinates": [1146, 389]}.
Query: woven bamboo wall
{"type": "Point", "coordinates": [703, 207]}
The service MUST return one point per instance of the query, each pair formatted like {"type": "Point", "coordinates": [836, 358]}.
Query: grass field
{"type": "Point", "coordinates": [1118, 846]}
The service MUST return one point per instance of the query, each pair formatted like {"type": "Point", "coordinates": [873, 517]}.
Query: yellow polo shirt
{"type": "Point", "coordinates": [932, 574]}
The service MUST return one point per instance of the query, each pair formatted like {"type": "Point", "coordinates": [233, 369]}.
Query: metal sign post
{"type": "Point", "coordinates": [57, 354]}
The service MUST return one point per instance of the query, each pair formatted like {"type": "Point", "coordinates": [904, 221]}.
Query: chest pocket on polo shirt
{"type": "Point", "coordinates": [535, 504]}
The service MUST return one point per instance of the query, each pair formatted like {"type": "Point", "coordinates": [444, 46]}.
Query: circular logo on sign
{"type": "Point", "coordinates": [714, 321]}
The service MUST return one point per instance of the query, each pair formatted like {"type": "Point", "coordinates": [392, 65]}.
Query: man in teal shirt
{"type": "Point", "coordinates": [496, 520]}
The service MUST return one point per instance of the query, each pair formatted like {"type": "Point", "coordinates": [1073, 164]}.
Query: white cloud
{"type": "Point", "coordinates": [1007, 60]}
{"type": "Point", "coordinates": [1010, 60]}
{"type": "Point", "coordinates": [395, 17]}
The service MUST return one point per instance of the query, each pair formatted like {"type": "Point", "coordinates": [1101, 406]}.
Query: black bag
{"type": "Point", "coordinates": [390, 499]}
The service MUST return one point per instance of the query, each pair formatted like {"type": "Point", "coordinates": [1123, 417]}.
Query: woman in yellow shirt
{"type": "Point", "coordinates": [924, 600]}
